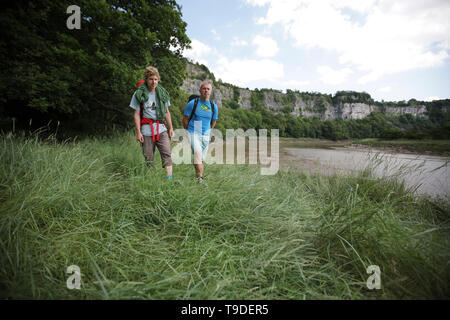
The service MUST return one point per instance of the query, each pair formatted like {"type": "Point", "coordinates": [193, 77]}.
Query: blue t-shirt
{"type": "Point", "coordinates": [202, 113]}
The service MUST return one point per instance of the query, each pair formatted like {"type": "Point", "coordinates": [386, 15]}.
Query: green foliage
{"type": "Point", "coordinates": [288, 101]}
{"type": "Point", "coordinates": [439, 111]}
{"type": "Point", "coordinates": [439, 147]}
{"type": "Point", "coordinates": [204, 75]}
{"type": "Point", "coordinates": [236, 94]}
{"type": "Point", "coordinates": [230, 104]}
{"type": "Point", "coordinates": [352, 97]}
{"type": "Point", "coordinates": [335, 130]}
{"type": "Point", "coordinates": [376, 125]}
{"type": "Point", "coordinates": [51, 72]}
{"type": "Point", "coordinates": [392, 133]}
{"type": "Point", "coordinates": [177, 106]}
{"type": "Point", "coordinates": [257, 100]}
{"type": "Point", "coordinates": [287, 109]}
{"type": "Point", "coordinates": [320, 106]}
{"type": "Point", "coordinates": [440, 132]}
{"type": "Point", "coordinates": [413, 102]}
{"type": "Point", "coordinates": [290, 98]}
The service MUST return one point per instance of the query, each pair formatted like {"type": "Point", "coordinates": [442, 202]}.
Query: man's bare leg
{"type": "Point", "coordinates": [198, 164]}
{"type": "Point", "coordinates": [199, 170]}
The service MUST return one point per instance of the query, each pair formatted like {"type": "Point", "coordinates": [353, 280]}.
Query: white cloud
{"type": "Point", "coordinates": [236, 71]}
{"type": "Point", "coordinates": [238, 43]}
{"type": "Point", "coordinates": [333, 77]}
{"type": "Point", "coordinates": [216, 36]}
{"type": "Point", "coordinates": [294, 84]}
{"type": "Point", "coordinates": [258, 2]}
{"type": "Point", "coordinates": [242, 71]}
{"type": "Point", "coordinates": [385, 89]}
{"type": "Point", "coordinates": [266, 47]}
{"type": "Point", "coordinates": [429, 99]}
{"type": "Point", "coordinates": [198, 51]}
{"type": "Point", "coordinates": [395, 36]}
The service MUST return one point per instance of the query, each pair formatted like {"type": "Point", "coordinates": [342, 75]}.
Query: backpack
{"type": "Point", "coordinates": [197, 97]}
{"type": "Point", "coordinates": [147, 120]}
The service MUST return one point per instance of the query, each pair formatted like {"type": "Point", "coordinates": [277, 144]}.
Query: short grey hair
{"type": "Point", "coordinates": [208, 82]}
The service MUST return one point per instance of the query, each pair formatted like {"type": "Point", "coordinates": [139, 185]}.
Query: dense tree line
{"type": "Point", "coordinates": [84, 78]}
{"type": "Point", "coordinates": [376, 125]}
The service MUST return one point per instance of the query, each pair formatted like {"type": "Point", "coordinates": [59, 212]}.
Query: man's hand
{"type": "Point", "coordinates": [140, 137]}
{"type": "Point", "coordinates": [171, 133]}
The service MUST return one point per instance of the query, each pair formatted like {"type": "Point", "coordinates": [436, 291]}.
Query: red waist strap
{"type": "Point", "coordinates": [150, 122]}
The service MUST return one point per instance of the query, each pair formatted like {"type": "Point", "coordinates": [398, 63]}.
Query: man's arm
{"type": "Point", "coordinates": [185, 121]}
{"type": "Point", "coordinates": [168, 119]}
{"type": "Point", "coordinates": [137, 123]}
{"type": "Point", "coordinates": [186, 114]}
{"type": "Point", "coordinates": [213, 122]}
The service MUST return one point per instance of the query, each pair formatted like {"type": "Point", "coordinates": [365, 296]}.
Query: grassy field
{"type": "Point", "coordinates": [438, 147]}
{"type": "Point", "coordinates": [434, 147]}
{"type": "Point", "coordinates": [136, 235]}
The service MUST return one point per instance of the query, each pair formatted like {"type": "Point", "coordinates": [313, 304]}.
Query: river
{"type": "Point", "coordinates": [426, 174]}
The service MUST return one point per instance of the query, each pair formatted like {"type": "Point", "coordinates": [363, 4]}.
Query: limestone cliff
{"type": "Point", "coordinates": [298, 103]}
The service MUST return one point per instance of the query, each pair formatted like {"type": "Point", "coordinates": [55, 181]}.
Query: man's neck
{"type": "Point", "coordinates": [204, 99]}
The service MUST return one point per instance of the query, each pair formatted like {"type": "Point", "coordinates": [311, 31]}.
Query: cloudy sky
{"type": "Point", "coordinates": [393, 50]}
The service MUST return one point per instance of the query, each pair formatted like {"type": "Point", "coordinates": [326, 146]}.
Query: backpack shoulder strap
{"type": "Point", "coordinates": [141, 111]}
{"type": "Point", "coordinates": [212, 110]}
{"type": "Point", "coordinates": [193, 109]}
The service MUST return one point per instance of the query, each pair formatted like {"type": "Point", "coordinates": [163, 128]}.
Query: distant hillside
{"type": "Point", "coordinates": [344, 105]}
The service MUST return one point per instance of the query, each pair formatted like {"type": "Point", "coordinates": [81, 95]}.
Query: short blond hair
{"type": "Point", "coordinates": [150, 72]}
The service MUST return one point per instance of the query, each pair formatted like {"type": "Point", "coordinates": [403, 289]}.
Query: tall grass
{"type": "Point", "coordinates": [136, 235]}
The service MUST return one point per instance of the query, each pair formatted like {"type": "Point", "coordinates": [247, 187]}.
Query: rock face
{"type": "Point", "coordinates": [416, 110]}
{"type": "Point", "coordinates": [305, 105]}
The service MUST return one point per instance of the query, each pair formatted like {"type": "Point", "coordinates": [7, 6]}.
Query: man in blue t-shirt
{"type": "Point", "coordinates": [199, 127]}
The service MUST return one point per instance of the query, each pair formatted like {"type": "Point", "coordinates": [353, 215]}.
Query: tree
{"type": "Point", "coordinates": [52, 72]}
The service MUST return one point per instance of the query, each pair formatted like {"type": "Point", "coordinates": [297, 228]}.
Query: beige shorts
{"type": "Point", "coordinates": [148, 148]}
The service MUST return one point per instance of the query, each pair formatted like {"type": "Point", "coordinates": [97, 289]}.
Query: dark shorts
{"type": "Point", "coordinates": [148, 148]}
